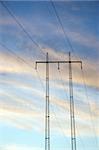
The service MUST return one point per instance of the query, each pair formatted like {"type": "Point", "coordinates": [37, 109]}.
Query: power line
{"type": "Point", "coordinates": [14, 54]}
{"type": "Point", "coordinates": [42, 85]}
{"type": "Point", "coordinates": [58, 123]}
{"type": "Point", "coordinates": [24, 61]}
{"type": "Point", "coordinates": [55, 116]}
{"type": "Point", "coordinates": [90, 112]}
{"type": "Point", "coordinates": [47, 114]}
{"type": "Point", "coordinates": [10, 12]}
{"type": "Point", "coordinates": [60, 75]}
{"type": "Point", "coordinates": [66, 37]}
{"type": "Point", "coordinates": [60, 22]}
{"type": "Point", "coordinates": [52, 108]}
{"type": "Point", "coordinates": [81, 141]}
{"type": "Point", "coordinates": [21, 25]}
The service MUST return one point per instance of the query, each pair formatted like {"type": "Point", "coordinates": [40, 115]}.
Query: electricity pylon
{"type": "Point", "coordinates": [47, 109]}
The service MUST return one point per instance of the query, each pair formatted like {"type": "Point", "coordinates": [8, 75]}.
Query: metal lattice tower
{"type": "Point", "coordinates": [47, 108]}
{"type": "Point", "coordinates": [72, 113]}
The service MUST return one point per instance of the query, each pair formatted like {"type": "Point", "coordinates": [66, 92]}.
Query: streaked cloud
{"type": "Point", "coordinates": [22, 97]}
{"type": "Point", "coordinates": [12, 65]}
{"type": "Point", "coordinates": [23, 113]}
{"type": "Point", "coordinates": [18, 147]}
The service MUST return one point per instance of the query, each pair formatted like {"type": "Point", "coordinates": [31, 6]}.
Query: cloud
{"type": "Point", "coordinates": [18, 147]}
{"type": "Point", "coordinates": [19, 113]}
{"type": "Point", "coordinates": [26, 114]}
{"type": "Point", "coordinates": [90, 69]}
{"type": "Point", "coordinates": [7, 21]}
{"type": "Point", "coordinates": [83, 39]}
{"type": "Point", "coordinates": [22, 112]}
{"type": "Point", "coordinates": [14, 64]}
{"type": "Point", "coordinates": [39, 31]}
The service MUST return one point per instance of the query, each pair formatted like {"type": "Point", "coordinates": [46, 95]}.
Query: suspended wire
{"type": "Point", "coordinates": [78, 133]}
{"type": "Point", "coordinates": [66, 37]}
{"type": "Point", "coordinates": [86, 94]}
{"type": "Point", "coordinates": [81, 141]}
{"type": "Point", "coordinates": [29, 36]}
{"type": "Point", "coordinates": [10, 12]}
{"type": "Point", "coordinates": [85, 88]}
{"type": "Point", "coordinates": [64, 88]}
{"type": "Point", "coordinates": [60, 75]}
{"type": "Point", "coordinates": [14, 54]}
{"type": "Point", "coordinates": [56, 118]}
{"type": "Point", "coordinates": [24, 61]}
{"type": "Point", "coordinates": [42, 85]}
{"type": "Point", "coordinates": [91, 116]}
{"type": "Point", "coordinates": [60, 22]}
{"type": "Point", "coordinates": [64, 32]}
{"type": "Point", "coordinates": [51, 106]}
{"type": "Point", "coordinates": [57, 26]}
{"type": "Point", "coordinates": [58, 123]}
{"type": "Point", "coordinates": [21, 25]}
{"type": "Point", "coordinates": [41, 82]}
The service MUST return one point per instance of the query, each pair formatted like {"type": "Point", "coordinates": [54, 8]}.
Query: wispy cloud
{"type": "Point", "coordinates": [18, 147]}
{"type": "Point", "coordinates": [12, 65]}
{"type": "Point", "coordinates": [23, 114]}
{"type": "Point", "coordinates": [21, 111]}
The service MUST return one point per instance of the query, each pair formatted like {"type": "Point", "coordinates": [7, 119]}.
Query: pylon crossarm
{"type": "Point", "coordinates": [73, 61]}
{"type": "Point", "coordinates": [58, 62]}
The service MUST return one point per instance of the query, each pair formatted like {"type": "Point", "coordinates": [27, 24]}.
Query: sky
{"type": "Point", "coordinates": [27, 37]}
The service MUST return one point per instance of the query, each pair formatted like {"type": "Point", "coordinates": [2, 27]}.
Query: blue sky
{"type": "Point", "coordinates": [22, 89]}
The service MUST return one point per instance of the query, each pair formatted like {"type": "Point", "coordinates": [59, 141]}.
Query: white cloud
{"type": "Point", "coordinates": [13, 114]}
{"type": "Point", "coordinates": [25, 115]}
{"type": "Point", "coordinates": [18, 147]}
{"type": "Point", "coordinates": [24, 118]}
